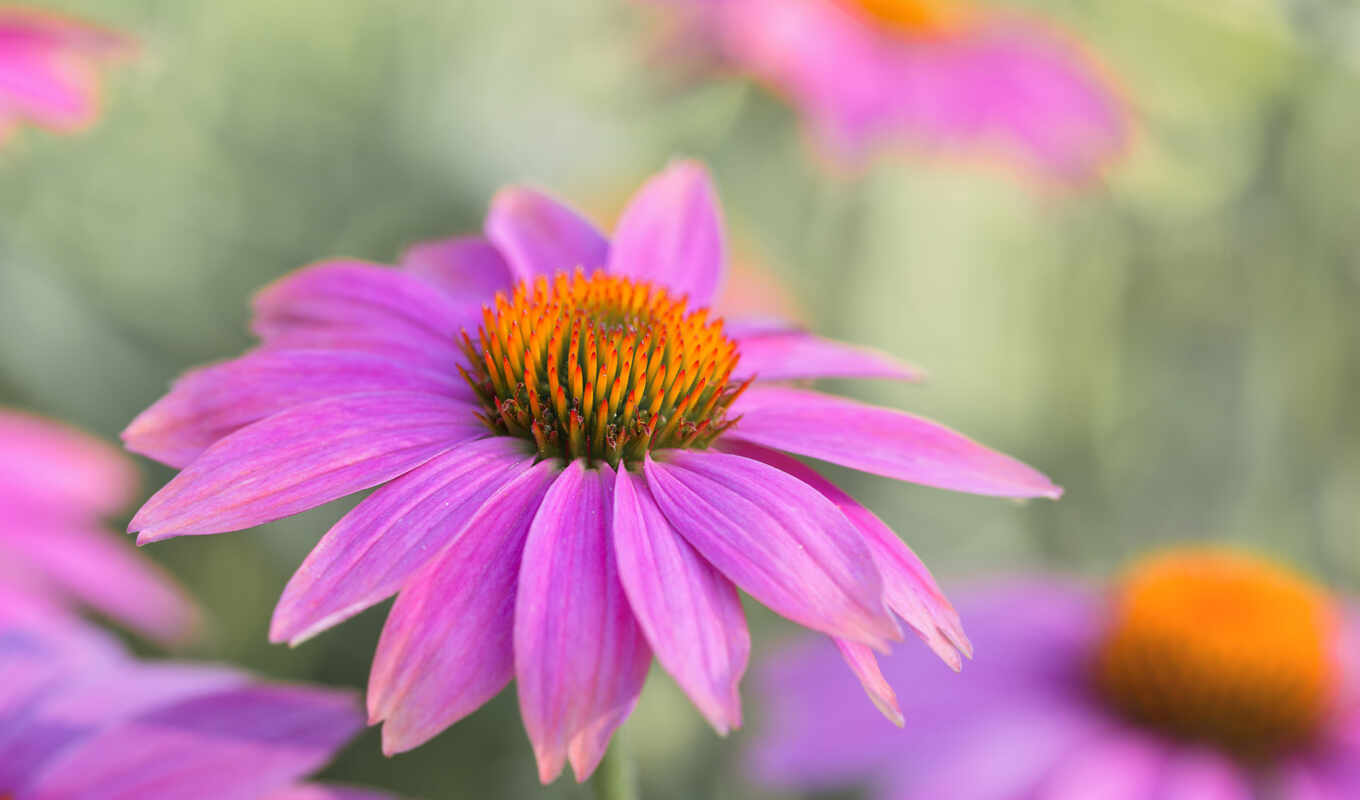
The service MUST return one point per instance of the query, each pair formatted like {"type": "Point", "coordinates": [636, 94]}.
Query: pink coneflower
{"type": "Point", "coordinates": [1203, 673]}
{"type": "Point", "coordinates": [55, 485]}
{"type": "Point", "coordinates": [49, 69]}
{"type": "Point", "coordinates": [937, 73]}
{"type": "Point", "coordinates": [79, 718]}
{"type": "Point", "coordinates": [576, 469]}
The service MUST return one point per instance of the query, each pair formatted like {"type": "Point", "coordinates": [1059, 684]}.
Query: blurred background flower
{"type": "Point", "coordinates": [1177, 346]}
{"type": "Point", "coordinates": [1202, 673]}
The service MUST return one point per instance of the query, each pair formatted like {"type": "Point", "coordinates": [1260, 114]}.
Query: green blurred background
{"type": "Point", "coordinates": [1178, 345]}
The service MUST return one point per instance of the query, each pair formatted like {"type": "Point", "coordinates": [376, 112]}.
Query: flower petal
{"type": "Point", "coordinates": [1201, 774]}
{"type": "Point", "coordinates": [354, 305]}
{"type": "Point", "coordinates": [539, 235]}
{"type": "Point", "coordinates": [882, 441]}
{"type": "Point", "coordinates": [671, 234]}
{"type": "Point", "coordinates": [303, 457]}
{"type": "Point", "coordinates": [580, 658]}
{"type": "Point", "coordinates": [323, 791]}
{"type": "Point", "coordinates": [690, 613]}
{"type": "Point", "coordinates": [467, 267]}
{"type": "Point", "coordinates": [210, 403]}
{"type": "Point", "coordinates": [1125, 765]}
{"type": "Point", "coordinates": [778, 539]}
{"type": "Point", "coordinates": [448, 644]}
{"type": "Point", "coordinates": [864, 664]}
{"type": "Point", "coordinates": [54, 466]}
{"type": "Point", "coordinates": [373, 549]}
{"type": "Point", "coordinates": [795, 355]}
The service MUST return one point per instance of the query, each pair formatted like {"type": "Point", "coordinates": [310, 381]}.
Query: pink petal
{"type": "Point", "coordinates": [210, 403]}
{"type": "Point", "coordinates": [353, 305]}
{"type": "Point", "coordinates": [580, 658]}
{"type": "Point", "coordinates": [778, 539]}
{"type": "Point", "coordinates": [372, 551]}
{"type": "Point", "coordinates": [448, 645]}
{"type": "Point", "coordinates": [908, 587]}
{"type": "Point", "coordinates": [1118, 766]}
{"type": "Point", "coordinates": [671, 234]}
{"type": "Point", "coordinates": [864, 664]}
{"type": "Point", "coordinates": [53, 465]}
{"type": "Point", "coordinates": [690, 613]}
{"type": "Point", "coordinates": [882, 441]}
{"type": "Point", "coordinates": [1200, 774]}
{"type": "Point", "coordinates": [303, 457]}
{"type": "Point", "coordinates": [539, 235]}
{"type": "Point", "coordinates": [467, 267]}
{"type": "Point", "coordinates": [795, 355]}
{"type": "Point", "coordinates": [321, 791]}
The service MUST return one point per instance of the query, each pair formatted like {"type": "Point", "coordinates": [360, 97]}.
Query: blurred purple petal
{"type": "Point", "coordinates": [671, 234]}
{"type": "Point", "coordinates": [448, 645]}
{"type": "Point", "coordinates": [467, 267]}
{"type": "Point", "coordinates": [539, 235]}
{"type": "Point", "coordinates": [210, 403]}
{"type": "Point", "coordinates": [322, 791]}
{"type": "Point", "coordinates": [776, 538]}
{"type": "Point", "coordinates": [369, 554]}
{"type": "Point", "coordinates": [796, 355]}
{"type": "Point", "coordinates": [44, 463]}
{"type": "Point", "coordinates": [690, 613]}
{"type": "Point", "coordinates": [1119, 765]}
{"type": "Point", "coordinates": [303, 457]}
{"type": "Point", "coordinates": [882, 441]}
{"type": "Point", "coordinates": [1202, 774]}
{"type": "Point", "coordinates": [580, 657]}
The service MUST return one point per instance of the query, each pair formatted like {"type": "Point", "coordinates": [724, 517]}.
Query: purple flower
{"type": "Point", "coordinates": [79, 718]}
{"type": "Point", "coordinates": [1203, 673]}
{"type": "Point", "coordinates": [933, 73]}
{"type": "Point", "coordinates": [55, 485]}
{"type": "Point", "coordinates": [48, 69]}
{"type": "Point", "coordinates": [583, 482]}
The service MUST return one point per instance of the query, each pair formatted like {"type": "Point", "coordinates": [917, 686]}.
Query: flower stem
{"type": "Point", "coordinates": [616, 777]}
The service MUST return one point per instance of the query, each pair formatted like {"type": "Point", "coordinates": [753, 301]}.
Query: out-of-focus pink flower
{"type": "Point", "coordinates": [1204, 673]}
{"type": "Point", "coordinates": [591, 490]}
{"type": "Point", "coordinates": [932, 73]}
{"type": "Point", "coordinates": [49, 69]}
{"type": "Point", "coordinates": [80, 718]}
{"type": "Point", "coordinates": [55, 486]}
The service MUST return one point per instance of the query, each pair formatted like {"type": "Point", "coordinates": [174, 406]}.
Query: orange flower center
{"type": "Point", "coordinates": [916, 17]}
{"type": "Point", "coordinates": [1220, 647]}
{"type": "Point", "coordinates": [601, 368]}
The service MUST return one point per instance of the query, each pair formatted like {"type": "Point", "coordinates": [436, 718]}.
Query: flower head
{"type": "Point", "coordinates": [81, 718]}
{"type": "Point", "coordinates": [935, 73]}
{"type": "Point", "coordinates": [55, 485]}
{"type": "Point", "coordinates": [1203, 672]}
{"type": "Point", "coordinates": [49, 69]}
{"type": "Point", "coordinates": [578, 466]}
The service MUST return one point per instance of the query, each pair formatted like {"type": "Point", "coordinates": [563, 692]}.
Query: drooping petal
{"type": "Point", "coordinates": [235, 744]}
{"type": "Point", "coordinates": [467, 267]}
{"type": "Point", "coordinates": [303, 457]}
{"type": "Point", "coordinates": [580, 657]}
{"type": "Point", "coordinates": [354, 305]}
{"type": "Point", "coordinates": [448, 645]}
{"type": "Point", "coordinates": [882, 441]}
{"type": "Point", "coordinates": [778, 539]}
{"type": "Point", "coordinates": [864, 664]}
{"type": "Point", "coordinates": [539, 235]}
{"type": "Point", "coordinates": [796, 355]}
{"type": "Point", "coordinates": [671, 234]}
{"type": "Point", "coordinates": [908, 587]}
{"type": "Point", "coordinates": [370, 553]}
{"type": "Point", "coordinates": [213, 402]}
{"type": "Point", "coordinates": [690, 613]}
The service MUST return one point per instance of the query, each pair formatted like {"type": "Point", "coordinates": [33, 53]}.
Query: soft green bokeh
{"type": "Point", "coordinates": [1178, 346]}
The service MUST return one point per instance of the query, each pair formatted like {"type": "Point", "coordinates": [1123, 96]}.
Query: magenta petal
{"type": "Point", "coordinates": [882, 441]}
{"type": "Point", "coordinates": [539, 235]}
{"type": "Point", "coordinates": [448, 644]}
{"type": "Point", "coordinates": [467, 267]}
{"type": "Point", "coordinates": [235, 744]}
{"type": "Point", "coordinates": [580, 657]}
{"type": "Point", "coordinates": [864, 664]}
{"type": "Point", "coordinates": [794, 355]}
{"type": "Point", "coordinates": [690, 613]}
{"type": "Point", "coordinates": [671, 234]}
{"type": "Point", "coordinates": [303, 457]}
{"type": "Point", "coordinates": [212, 402]}
{"type": "Point", "coordinates": [353, 305]}
{"type": "Point", "coordinates": [1202, 774]}
{"type": "Point", "coordinates": [1124, 765]}
{"type": "Point", "coordinates": [54, 466]}
{"type": "Point", "coordinates": [322, 791]}
{"type": "Point", "coordinates": [371, 552]}
{"type": "Point", "coordinates": [778, 539]}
